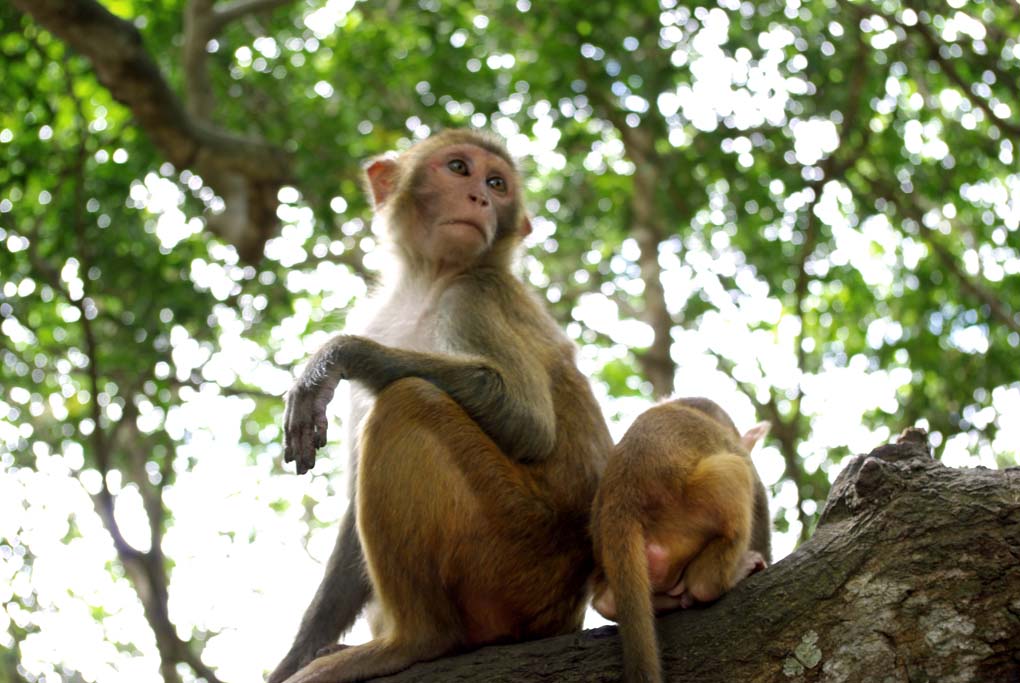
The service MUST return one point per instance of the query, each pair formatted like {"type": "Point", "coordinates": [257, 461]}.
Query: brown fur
{"type": "Point", "coordinates": [482, 444]}
{"type": "Point", "coordinates": [675, 521]}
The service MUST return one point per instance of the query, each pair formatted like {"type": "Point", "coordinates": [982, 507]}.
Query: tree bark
{"type": "Point", "coordinates": [913, 575]}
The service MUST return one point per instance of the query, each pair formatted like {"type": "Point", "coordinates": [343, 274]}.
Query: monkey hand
{"type": "Point", "coordinates": [304, 423]}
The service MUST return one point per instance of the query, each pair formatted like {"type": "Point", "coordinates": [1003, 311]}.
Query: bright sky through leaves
{"type": "Point", "coordinates": [838, 207]}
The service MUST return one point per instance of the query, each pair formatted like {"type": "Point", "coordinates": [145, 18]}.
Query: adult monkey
{"type": "Point", "coordinates": [477, 464]}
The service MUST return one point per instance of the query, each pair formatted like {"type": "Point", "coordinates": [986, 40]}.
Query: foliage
{"type": "Point", "coordinates": [823, 197]}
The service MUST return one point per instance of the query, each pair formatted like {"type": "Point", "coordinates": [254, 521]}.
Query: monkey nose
{"type": "Point", "coordinates": [478, 199]}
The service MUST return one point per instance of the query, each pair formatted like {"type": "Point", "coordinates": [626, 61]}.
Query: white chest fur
{"type": "Point", "coordinates": [410, 322]}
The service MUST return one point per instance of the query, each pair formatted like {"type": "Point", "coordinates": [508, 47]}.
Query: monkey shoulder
{"type": "Point", "coordinates": [499, 302]}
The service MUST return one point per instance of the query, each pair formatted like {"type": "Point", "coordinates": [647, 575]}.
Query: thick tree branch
{"type": "Point", "coordinates": [203, 21]}
{"type": "Point", "coordinates": [200, 26]}
{"type": "Point", "coordinates": [247, 173]}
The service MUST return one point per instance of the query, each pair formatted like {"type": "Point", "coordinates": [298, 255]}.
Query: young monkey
{"type": "Point", "coordinates": [680, 517]}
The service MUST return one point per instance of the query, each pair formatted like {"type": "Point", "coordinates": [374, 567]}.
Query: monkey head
{"type": "Point", "coordinates": [451, 201]}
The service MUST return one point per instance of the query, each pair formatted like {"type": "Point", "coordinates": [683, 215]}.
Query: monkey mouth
{"type": "Point", "coordinates": [474, 224]}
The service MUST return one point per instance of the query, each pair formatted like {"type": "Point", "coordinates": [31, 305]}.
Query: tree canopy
{"type": "Point", "coordinates": [807, 210]}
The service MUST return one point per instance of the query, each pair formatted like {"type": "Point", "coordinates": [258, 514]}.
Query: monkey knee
{"type": "Point", "coordinates": [708, 591]}
{"type": "Point", "coordinates": [707, 583]}
{"type": "Point", "coordinates": [405, 397]}
{"type": "Point", "coordinates": [605, 604]}
{"type": "Point", "coordinates": [399, 414]}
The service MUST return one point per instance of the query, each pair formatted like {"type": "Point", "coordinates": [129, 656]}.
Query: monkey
{"type": "Point", "coordinates": [478, 445]}
{"type": "Point", "coordinates": [679, 518]}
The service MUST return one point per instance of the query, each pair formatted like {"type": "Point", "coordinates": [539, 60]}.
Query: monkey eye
{"type": "Point", "coordinates": [497, 183]}
{"type": "Point", "coordinates": [458, 166]}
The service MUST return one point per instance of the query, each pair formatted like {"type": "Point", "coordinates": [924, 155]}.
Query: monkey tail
{"type": "Point", "coordinates": [627, 574]}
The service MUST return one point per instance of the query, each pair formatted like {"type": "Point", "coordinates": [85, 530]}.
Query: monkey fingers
{"type": "Point", "coordinates": [305, 425]}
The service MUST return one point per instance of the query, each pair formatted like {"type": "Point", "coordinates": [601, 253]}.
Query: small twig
{"type": "Point", "coordinates": [906, 206]}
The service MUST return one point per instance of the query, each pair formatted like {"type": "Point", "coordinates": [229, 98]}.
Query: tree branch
{"type": "Point", "coordinates": [998, 309]}
{"type": "Point", "coordinates": [145, 570]}
{"type": "Point", "coordinates": [947, 66]}
{"type": "Point", "coordinates": [203, 21]}
{"type": "Point", "coordinates": [246, 172]}
{"type": "Point", "coordinates": [657, 362]}
{"type": "Point", "coordinates": [646, 226]}
{"type": "Point", "coordinates": [231, 11]}
{"type": "Point", "coordinates": [910, 576]}
{"type": "Point", "coordinates": [906, 207]}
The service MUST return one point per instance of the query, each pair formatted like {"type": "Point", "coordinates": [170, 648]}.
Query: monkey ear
{"type": "Point", "coordinates": [381, 174]}
{"type": "Point", "coordinates": [755, 434]}
{"type": "Point", "coordinates": [525, 227]}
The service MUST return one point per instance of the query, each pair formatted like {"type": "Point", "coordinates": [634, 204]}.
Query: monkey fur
{"type": "Point", "coordinates": [476, 444]}
{"type": "Point", "coordinates": [680, 517]}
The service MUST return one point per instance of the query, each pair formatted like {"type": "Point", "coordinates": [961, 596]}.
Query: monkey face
{"type": "Point", "coordinates": [450, 202]}
{"type": "Point", "coordinates": [465, 199]}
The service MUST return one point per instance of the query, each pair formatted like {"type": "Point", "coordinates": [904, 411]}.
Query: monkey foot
{"type": "Point", "coordinates": [330, 649]}
{"type": "Point", "coordinates": [752, 563]}
{"type": "Point", "coordinates": [664, 602]}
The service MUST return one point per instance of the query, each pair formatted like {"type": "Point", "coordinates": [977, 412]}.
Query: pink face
{"type": "Point", "coordinates": [456, 203]}
{"type": "Point", "coordinates": [463, 194]}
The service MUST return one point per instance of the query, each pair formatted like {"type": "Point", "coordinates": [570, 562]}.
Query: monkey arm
{"type": "Point", "coordinates": [518, 415]}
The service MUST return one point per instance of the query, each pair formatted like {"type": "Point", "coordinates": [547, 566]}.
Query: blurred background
{"type": "Point", "coordinates": [807, 211]}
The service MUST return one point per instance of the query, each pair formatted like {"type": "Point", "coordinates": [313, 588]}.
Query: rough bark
{"type": "Point", "coordinates": [913, 575]}
{"type": "Point", "coordinates": [247, 173]}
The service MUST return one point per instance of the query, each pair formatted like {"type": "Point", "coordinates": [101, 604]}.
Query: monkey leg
{"type": "Point", "coordinates": [718, 497]}
{"type": "Point", "coordinates": [661, 578]}
{"type": "Point", "coordinates": [442, 506]}
{"type": "Point", "coordinates": [659, 559]}
{"type": "Point", "coordinates": [713, 572]}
